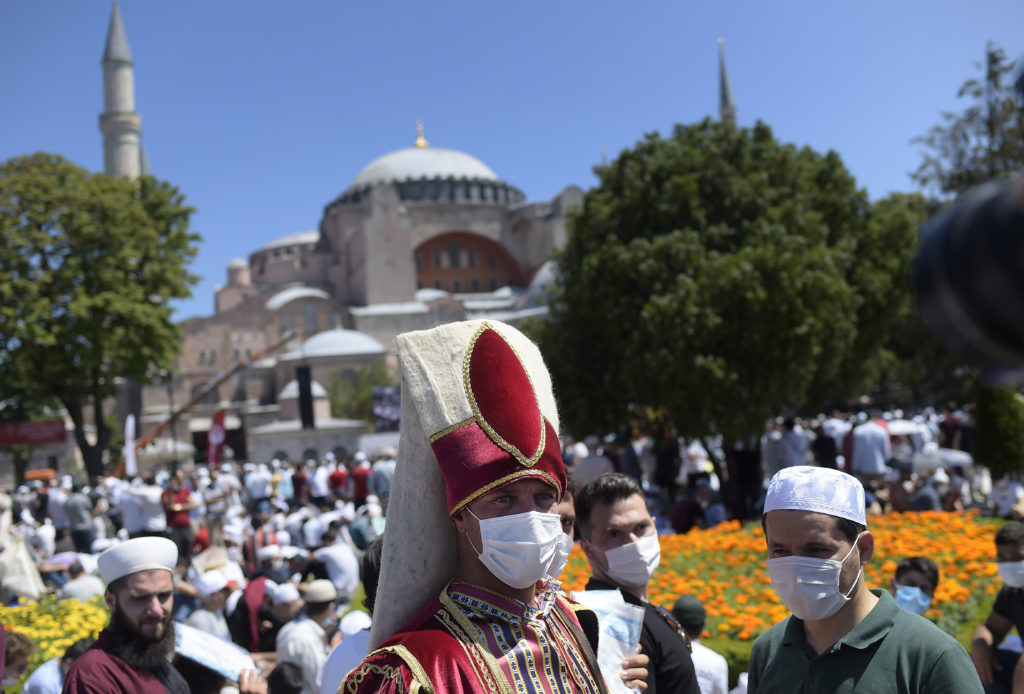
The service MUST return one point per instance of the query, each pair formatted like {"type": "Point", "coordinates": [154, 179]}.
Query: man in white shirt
{"type": "Point", "coordinates": [82, 586]}
{"type": "Point", "coordinates": [304, 641]}
{"type": "Point", "coordinates": [593, 465]}
{"type": "Point", "coordinates": [151, 509]}
{"type": "Point", "coordinates": [712, 669]}
{"type": "Point", "coordinates": [871, 448]}
{"type": "Point", "coordinates": [213, 594]}
{"type": "Point", "coordinates": [341, 563]}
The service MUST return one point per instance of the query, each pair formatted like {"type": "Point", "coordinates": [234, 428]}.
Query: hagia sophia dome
{"type": "Point", "coordinates": [415, 163]}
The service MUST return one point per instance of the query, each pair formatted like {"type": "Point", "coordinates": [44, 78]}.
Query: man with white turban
{"type": "Point", "coordinates": [132, 654]}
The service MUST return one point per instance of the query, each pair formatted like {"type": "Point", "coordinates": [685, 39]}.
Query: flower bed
{"type": "Point", "coordinates": [724, 568]}
{"type": "Point", "coordinates": [53, 625]}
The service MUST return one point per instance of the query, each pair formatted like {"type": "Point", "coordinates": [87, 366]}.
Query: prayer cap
{"type": "Point", "coordinates": [321, 590]}
{"type": "Point", "coordinates": [133, 556]}
{"type": "Point", "coordinates": [485, 404]}
{"type": "Point", "coordinates": [210, 582]}
{"type": "Point", "coordinates": [285, 592]}
{"type": "Point", "coordinates": [822, 490]}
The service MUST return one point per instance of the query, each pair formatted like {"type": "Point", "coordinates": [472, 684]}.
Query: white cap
{"type": "Point", "coordinates": [822, 490]}
{"type": "Point", "coordinates": [268, 553]}
{"type": "Point", "coordinates": [354, 622]}
{"type": "Point", "coordinates": [285, 592]}
{"type": "Point", "coordinates": [359, 457]}
{"type": "Point", "coordinates": [321, 590]}
{"type": "Point", "coordinates": [140, 554]}
{"type": "Point", "coordinates": [210, 582]}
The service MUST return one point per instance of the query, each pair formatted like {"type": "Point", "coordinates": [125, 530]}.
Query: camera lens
{"type": "Point", "coordinates": [969, 274]}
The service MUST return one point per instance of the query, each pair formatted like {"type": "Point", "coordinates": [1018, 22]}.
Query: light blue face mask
{"type": "Point", "coordinates": [912, 599]}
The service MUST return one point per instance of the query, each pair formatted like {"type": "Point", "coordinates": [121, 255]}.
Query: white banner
{"type": "Point", "coordinates": [131, 468]}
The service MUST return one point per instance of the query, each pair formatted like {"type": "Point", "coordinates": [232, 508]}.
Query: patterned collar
{"type": "Point", "coordinates": [478, 601]}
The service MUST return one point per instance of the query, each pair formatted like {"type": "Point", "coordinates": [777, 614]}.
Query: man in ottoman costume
{"type": "Point", "coordinates": [473, 593]}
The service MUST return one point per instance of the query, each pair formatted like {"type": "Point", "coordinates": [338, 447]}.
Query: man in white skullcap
{"type": "Point", "coordinates": [213, 589]}
{"type": "Point", "coordinates": [132, 654]}
{"type": "Point", "coordinates": [842, 637]}
{"type": "Point", "coordinates": [304, 640]}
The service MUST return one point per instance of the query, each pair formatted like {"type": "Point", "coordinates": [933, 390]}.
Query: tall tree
{"type": "Point", "coordinates": [87, 268]}
{"type": "Point", "coordinates": [983, 142]}
{"type": "Point", "coordinates": [718, 276]}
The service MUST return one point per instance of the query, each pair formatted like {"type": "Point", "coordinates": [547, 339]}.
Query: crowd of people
{"type": "Point", "coordinates": [460, 592]}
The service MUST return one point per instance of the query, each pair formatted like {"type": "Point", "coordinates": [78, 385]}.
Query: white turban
{"type": "Point", "coordinates": [140, 554]}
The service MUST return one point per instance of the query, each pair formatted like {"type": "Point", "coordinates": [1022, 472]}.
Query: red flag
{"type": "Point", "coordinates": [215, 438]}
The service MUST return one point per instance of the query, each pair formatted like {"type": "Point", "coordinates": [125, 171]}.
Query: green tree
{"type": "Point", "coordinates": [351, 392]}
{"type": "Point", "coordinates": [719, 277]}
{"type": "Point", "coordinates": [983, 142]}
{"type": "Point", "coordinates": [1000, 429]}
{"type": "Point", "coordinates": [87, 268]}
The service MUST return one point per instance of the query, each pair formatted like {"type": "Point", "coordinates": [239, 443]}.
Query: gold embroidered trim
{"type": "Point", "coordinates": [491, 433]}
{"type": "Point", "coordinates": [420, 681]}
{"type": "Point", "coordinates": [474, 644]}
{"type": "Point", "coordinates": [454, 427]}
{"type": "Point", "coordinates": [503, 481]}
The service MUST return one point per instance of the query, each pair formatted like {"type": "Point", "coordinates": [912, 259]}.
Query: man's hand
{"type": "Point", "coordinates": [634, 671]}
{"type": "Point", "coordinates": [251, 683]}
{"type": "Point", "coordinates": [985, 661]}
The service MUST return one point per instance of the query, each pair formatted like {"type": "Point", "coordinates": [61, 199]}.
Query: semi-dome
{"type": "Point", "coordinates": [237, 264]}
{"type": "Point", "coordinates": [414, 163]}
{"type": "Point", "coordinates": [294, 239]}
{"type": "Point", "coordinates": [286, 296]}
{"type": "Point", "coordinates": [338, 343]}
{"type": "Point", "coordinates": [291, 391]}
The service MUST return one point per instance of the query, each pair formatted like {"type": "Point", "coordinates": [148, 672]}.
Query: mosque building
{"type": "Point", "coordinates": [422, 236]}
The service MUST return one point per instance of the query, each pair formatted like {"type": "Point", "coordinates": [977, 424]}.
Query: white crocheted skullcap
{"type": "Point", "coordinates": [822, 490]}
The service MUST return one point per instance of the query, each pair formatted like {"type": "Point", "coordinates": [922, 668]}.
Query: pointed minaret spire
{"type": "Point", "coordinates": [726, 105]}
{"type": "Point", "coordinates": [117, 49]}
{"type": "Point", "coordinates": [119, 122]}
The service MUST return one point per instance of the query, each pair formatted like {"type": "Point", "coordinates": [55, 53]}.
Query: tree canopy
{"type": "Point", "coordinates": [87, 268]}
{"type": "Point", "coordinates": [983, 142]}
{"type": "Point", "coordinates": [719, 277]}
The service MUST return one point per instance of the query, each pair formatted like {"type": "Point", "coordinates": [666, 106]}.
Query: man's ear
{"type": "Point", "coordinates": [108, 597]}
{"type": "Point", "coordinates": [460, 521]}
{"type": "Point", "coordinates": [866, 546]}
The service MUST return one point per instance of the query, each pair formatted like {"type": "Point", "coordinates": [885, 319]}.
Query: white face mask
{"type": "Point", "coordinates": [1012, 573]}
{"type": "Point", "coordinates": [523, 548]}
{"type": "Point", "coordinates": [809, 587]}
{"type": "Point", "coordinates": [633, 564]}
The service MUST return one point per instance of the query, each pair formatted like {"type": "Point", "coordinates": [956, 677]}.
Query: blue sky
{"type": "Point", "coordinates": [262, 112]}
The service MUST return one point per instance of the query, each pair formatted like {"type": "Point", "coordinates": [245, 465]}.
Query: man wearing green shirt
{"type": "Point", "coordinates": [841, 638]}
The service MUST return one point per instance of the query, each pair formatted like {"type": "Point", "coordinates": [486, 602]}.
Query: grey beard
{"type": "Point", "coordinates": [140, 653]}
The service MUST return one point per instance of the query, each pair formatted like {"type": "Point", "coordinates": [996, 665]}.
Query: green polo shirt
{"type": "Point", "coordinates": [891, 650]}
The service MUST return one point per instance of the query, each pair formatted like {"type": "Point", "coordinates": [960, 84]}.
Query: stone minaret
{"type": "Point", "coordinates": [726, 105]}
{"type": "Point", "coordinates": [119, 122]}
